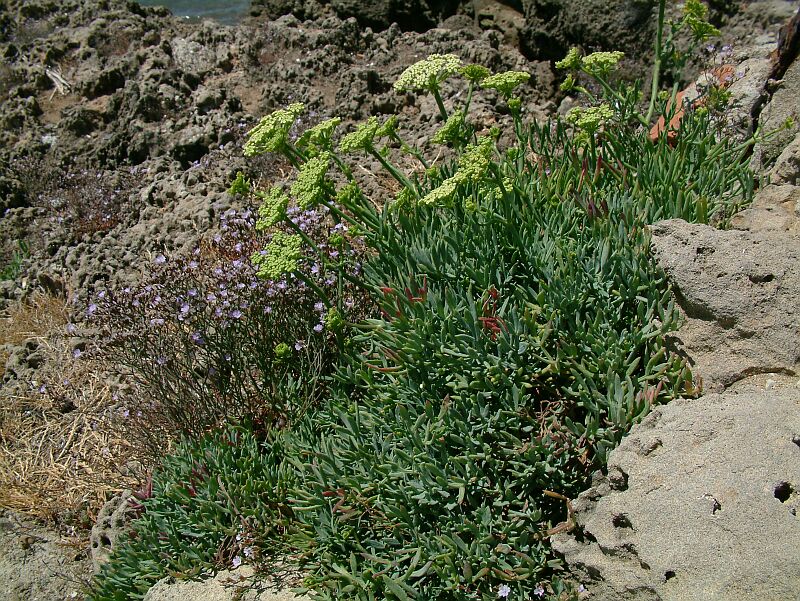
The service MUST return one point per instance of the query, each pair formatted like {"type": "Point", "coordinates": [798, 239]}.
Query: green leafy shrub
{"type": "Point", "coordinates": [209, 505]}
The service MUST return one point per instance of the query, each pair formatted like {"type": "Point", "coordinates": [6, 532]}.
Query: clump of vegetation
{"type": "Point", "coordinates": [207, 342]}
{"type": "Point", "coordinates": [520, 334]}
{"type": "Point", "coordinates": [13, 265]}
{"type": "Point", "coordinates": [211, 503]}
{"type": "Point", "coordinates": [83, 202]}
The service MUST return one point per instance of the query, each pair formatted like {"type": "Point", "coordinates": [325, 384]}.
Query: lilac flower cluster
{"type": "Point", "coordinates": [200, 334]}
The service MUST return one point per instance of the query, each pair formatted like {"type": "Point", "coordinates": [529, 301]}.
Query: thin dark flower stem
{"type": "Point", "coordinates": [656, 63]}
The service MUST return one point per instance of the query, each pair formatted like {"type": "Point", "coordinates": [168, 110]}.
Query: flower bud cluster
{"type": "Point", "coordinates": [271, 132]}
{"type": "Point", "coordinates": [428, 73]}
{"type": "Point", "coordinates": [279, 257]}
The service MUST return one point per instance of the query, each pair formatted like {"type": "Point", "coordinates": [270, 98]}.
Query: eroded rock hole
{"type": "Point", "coordinates": [669, 575]}
{"type": "Point", "coordinates": [620, 520]}
{"type": "Point", "coordinates": [783, 491]}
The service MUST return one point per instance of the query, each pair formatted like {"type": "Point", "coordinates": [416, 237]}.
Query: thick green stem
{"type": "Point", "coordinates": [469, 99]}
{"type": "Point", "coordinates": [317, 290]}
{"type": "Point", "coordinates": [293, 156]}
{"type": "Point", "coordinates": [303, 235]}
{"type": "Point", "coordinates": [393, 171]}
{"type": "Point", "coordinates": [439, 103]}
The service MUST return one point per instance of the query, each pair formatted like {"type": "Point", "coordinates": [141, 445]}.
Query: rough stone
{"type": "Point", "coordinates": [787, 165]}
{"type": "Point", "coordinates": [775, 208]}
{"type": "Point", "coordinates": [109, 525]}
{"type": "Point", "coordinates": [781, 106]}
{"type": "Point", "coordinates": [740, 293]}
{"type": "Point", "coordinates": [552, 26]}
{"type": "Point", "coordinates": [228, 585]}
{"type": "Point", "coordinates": [709, 510]}
{"type": "Point", "coordinates": [37, 563]}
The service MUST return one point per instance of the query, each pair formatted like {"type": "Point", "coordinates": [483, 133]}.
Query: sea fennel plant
{"type": "Point", "coordinates": [522, 334]}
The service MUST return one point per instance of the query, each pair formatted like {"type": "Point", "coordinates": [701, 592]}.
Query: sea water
{"type": "Point", "coordinates": [224, 11]}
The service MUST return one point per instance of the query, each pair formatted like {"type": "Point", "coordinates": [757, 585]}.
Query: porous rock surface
{"type": "Point", "coordinates": [228, 585]}
{"type": "Point", "coordinates": [700, 502]}
{"type": "Point", "coordinates": [110, 523]}
{"type": "Point", "coordinates": [739, 291]}
{"type": "Point", "coordinates": [38, 563]}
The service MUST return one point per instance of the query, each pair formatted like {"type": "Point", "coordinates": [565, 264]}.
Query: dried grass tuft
{"type": "Point", "coordinates": [60, 454]}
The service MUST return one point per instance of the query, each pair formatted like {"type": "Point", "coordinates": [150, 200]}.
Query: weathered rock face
{"type": "Point", "coordinates": [153, 111]}
{"type": "Point", "coordinates": [543, 29]}
{"type": "Point", "coordinates": [739, 291]}
{"type": "Point", "coordinates": [410, 15]}
{"type": "Point", "coordinates": [36, 564]}
{"type": "Point", "coordinates": [700, 502]}
{"type": "Point", "coordinates": [227, 585]}
{"type": "Point", "coordinates": [553, 26]}
{"type": "Point", "coordinates": [111, 522]}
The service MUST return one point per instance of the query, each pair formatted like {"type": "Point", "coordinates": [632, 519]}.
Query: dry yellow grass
{"type": "Point", "coordinates": [59, 451]}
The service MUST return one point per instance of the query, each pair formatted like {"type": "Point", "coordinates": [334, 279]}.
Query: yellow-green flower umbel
{"type": "Point", "coordinates": [590, 119]}
{"type": "Point", "coordinates": [428, 73]}
{"type": "Point", "coordinates": [600, 64]}
{"type": "Point", "coordinates": [270, 133]}
{"type": "Point", "coordinates": [309, 187]}
{"type": "Point", "coordinates": [279, 257]}
{"type": "Point", "coordinates": [694, 15]}
{"type": "Point", "coordinates": [319, 137]}
{"type": "Point", "coordinates": [452, 130]}
{"type": "Point", "coordinates": [475, 73]}
{"type": "Point", "coordinates": [360, 139]}
{"type": "Point", "coordinates": [571, 62]}
{"type": "Point", "coordinates": [272, 209]}
{"type": "Point", "coordinates": [505, 82]}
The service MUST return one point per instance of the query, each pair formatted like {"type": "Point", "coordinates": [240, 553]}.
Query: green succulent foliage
{"type": "Point", "coordinates": [13, 267]}
{"type": "Point", "coordinates": [203, 495]}
{"type": "Point", "coordinates": [537, 342]}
